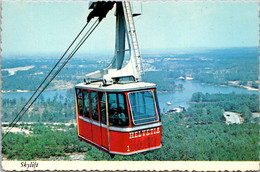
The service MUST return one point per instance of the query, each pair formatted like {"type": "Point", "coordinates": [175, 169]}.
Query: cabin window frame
{"type": "Point", "coordinates": [154, 105]}
{"type": "Point", "coordinates": [117, 110]}
{"type": "Point", "coordinates": [91, 105]}
{"type": "Point", "coordinates": [157, 104]}
{"type": "Point", "coordinates": [86, 98]}
{"type": "Point", "coordinates": [102, 105]}
{"type": "Point", "coordinates": [80, 111]}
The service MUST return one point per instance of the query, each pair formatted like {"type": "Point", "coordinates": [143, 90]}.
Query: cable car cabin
{"type": "Point", "coordinates": [120, 118]}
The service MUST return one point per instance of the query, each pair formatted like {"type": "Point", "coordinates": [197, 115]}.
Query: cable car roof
{"type": "Point", "coordinates": [120, 87]}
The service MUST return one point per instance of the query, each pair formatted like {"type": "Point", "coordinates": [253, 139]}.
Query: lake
{"type": "Point", "coordinates": [181, 97]}
{"type": "Point", "coordinates": [178, 97]}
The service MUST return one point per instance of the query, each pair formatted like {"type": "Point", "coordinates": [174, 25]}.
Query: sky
{"type": "Point", "coordinates": [37, 28]}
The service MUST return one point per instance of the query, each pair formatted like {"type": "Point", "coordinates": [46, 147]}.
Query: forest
{"type": "Point", "coordinates": [244, 104]}
{"type": "Point", "coordinates": [218, 66]}
{"type": "Point", "coordinates": [198, 133]}
{"type": "Point", "coordinates": [58, 109]}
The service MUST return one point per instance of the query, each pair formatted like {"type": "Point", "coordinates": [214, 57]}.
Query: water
{"type": "Point", "coordinates": [179, 97]}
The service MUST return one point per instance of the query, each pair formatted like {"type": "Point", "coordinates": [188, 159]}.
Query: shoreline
{"type": "Point", "coordinates": [164, 91]}
{"type": "Point", "coordinates": [170, 90]}
{"type": "Point", "coordinates": [235, 86]}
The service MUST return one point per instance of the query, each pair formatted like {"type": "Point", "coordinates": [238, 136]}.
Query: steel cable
{"type": "Point", "coordinates": [93, 27]}
{"type": "Point", "coordinates": [48, 75]}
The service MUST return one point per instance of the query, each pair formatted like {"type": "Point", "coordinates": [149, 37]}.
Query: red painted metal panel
{"type": "Point", "coordinates": [128, 109]}
{"type": "Point", "coordinates": [85, 129]}
{"type": "Point", "coordinates": [119, 141]}
{"type": "Point", "coordinates": [96, 134]}
{"type": "Point", "coordinates": [104, 141]}
{"type": "Point", "coordinates": [129, 142]}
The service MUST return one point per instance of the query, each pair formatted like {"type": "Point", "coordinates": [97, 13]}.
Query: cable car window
{"type": "Point", "coordinates": [94, 105]}
{"type": "Point", "coordinates": [142, 107]}
{"type": "Point", "coordinates": [79, 99]}
{"type": "Point", "coordinates": [86, 103]}
{"type": "Point", "coordinates": [102, 103]}
{"type": "Point", "coordinates": [117, 110]}
{"type": "Point", "coordinates": [121, 101]}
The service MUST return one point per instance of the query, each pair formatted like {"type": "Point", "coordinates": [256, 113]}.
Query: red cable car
{"type": "Point", "coordinates": [116, 112]}
{"type": "Point", "coordinates": [120, 118]}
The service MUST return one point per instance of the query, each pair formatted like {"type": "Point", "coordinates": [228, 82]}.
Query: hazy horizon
{"type": "Point", "coordinates": [48, 28]}
{"type": "Point", "coordinates": [145, 52]}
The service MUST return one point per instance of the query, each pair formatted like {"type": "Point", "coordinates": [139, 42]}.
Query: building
{"type": "Point", "coordinates": [232, 118]}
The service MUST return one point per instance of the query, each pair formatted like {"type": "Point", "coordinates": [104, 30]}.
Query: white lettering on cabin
{"type": "Point", "coordinates": [136, 134]}
{"type": "Point", "coordinates": [131, 135]}
{"type": "Point", "coordinates": [147, 132]}
{"type": "Point", "coordinates": [143, 133]}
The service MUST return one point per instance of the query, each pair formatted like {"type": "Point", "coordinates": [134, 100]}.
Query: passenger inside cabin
{"type": "Point", "coordinates": [117, 110]}
{"type": "Point", "coordinates": [121, 116]}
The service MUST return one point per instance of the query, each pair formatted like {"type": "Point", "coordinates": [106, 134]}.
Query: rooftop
{"type": "Point", "coordinates": [133, 86]}
{"type": "Point", "coordinates": [232, 118]}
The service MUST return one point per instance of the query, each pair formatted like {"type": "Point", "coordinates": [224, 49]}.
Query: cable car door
{"type": "Point", "coordinates": [103, 119]}
{"type": "Point", "coordinates": [95, 125]}
{"type": "Point", "coordinates": [86, 127]}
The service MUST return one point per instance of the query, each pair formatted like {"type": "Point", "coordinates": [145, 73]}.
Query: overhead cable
{"type": "Point", "coordinates": [85, 37]}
